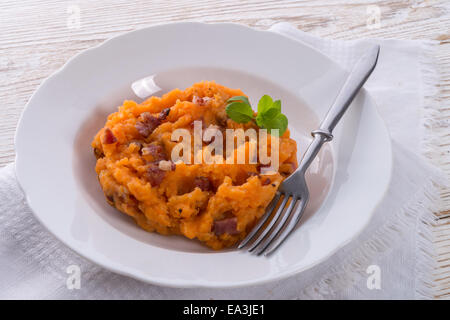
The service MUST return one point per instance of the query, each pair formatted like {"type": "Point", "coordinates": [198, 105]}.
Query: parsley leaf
{"type": "Point", "coordinates": [280, 122]}
{"type": "Point", "coordinates": [269, 113]}
{"type": "Point", "coordinates": [264, 104]}
{"type": "Point", "coordinates": [240, 112]}
{"type": "Point", "coordinates": [243, 99]}
{"type": "Point", "coordinates": [273, 111]}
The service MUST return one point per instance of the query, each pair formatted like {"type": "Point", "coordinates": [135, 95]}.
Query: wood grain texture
{"type": "Point", "coordinates": [37, 38]}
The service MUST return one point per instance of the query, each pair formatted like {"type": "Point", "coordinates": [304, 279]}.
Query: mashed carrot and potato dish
{"type": "Point", "coordinates": [217, 204]}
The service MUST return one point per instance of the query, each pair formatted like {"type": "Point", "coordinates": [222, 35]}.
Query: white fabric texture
{"type": "Point", "coordinates": [33, 263]}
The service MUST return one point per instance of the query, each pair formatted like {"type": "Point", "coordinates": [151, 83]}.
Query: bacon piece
{"type": "Point", "coordinates": [227, 225]}
{"type": "Point", "coordinates": [163, 114]}
{"type": "Point", "coordinates": [201, 101]}
{"type": "Point", "coordinates": [166, 165]}
{"type": "Point", "coordinates": [156, 151]}
{"type": "Point", "coordinates": [110, 199]}
{"type": "Point", "coordinates": [108, 137]}
{"type": "Point", "coordinates": [222, 118]}
{"type": "Point", "coordinates": [143, 129]}
{"type": "Point", "coordinates": [154, 175]}
{"type": "Point", "coordinates": [148, 123]}
{"type": "Point", "coordinates": [262, 167]}
{"type": "Point", "coordinates": [98, 153]}
{"type": "Point", "coordinates": [203, 183]}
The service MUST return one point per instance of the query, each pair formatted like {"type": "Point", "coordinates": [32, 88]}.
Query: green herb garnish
{"type": "Point", "coordinates": [269, 113]}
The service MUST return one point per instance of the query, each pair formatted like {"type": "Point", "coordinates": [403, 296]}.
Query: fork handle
{"type": "Point", "coordinates": [358, 76]}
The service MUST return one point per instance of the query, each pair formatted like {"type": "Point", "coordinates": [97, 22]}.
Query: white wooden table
{"type": "Point", "coordinates": [38, 37]}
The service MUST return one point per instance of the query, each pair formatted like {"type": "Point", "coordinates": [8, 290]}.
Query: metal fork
{"type": "Point", "coordinates": [294, 191]}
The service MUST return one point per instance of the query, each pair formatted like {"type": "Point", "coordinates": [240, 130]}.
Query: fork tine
{"type": "Point", "coordinates": [271, 224]}
{"type": "Point", "coordinates": [261, 222]}
{"type": "Point", "coordinates": [290, 227]}
{"type": "Point", "coordinates": [278, 227]}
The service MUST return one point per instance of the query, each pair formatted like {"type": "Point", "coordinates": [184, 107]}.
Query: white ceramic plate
{"type": "Point", "coordinates": [55, 164]}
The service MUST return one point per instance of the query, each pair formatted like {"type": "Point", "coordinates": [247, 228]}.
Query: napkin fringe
{"type": "Point", "coordinates": [435, 134]}
{"type": "Point", "coordinates": [426, 255]}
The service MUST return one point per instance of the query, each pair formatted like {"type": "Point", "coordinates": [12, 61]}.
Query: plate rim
{"type": "Point", "coordinates": [181, 283]}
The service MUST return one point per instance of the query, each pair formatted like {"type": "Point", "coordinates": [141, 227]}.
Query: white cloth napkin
{"type": "Point", "coordinates": [33, 263]}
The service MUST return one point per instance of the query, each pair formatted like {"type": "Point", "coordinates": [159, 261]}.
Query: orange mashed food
{"type": "Point", "coordinates": [217, 204]}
